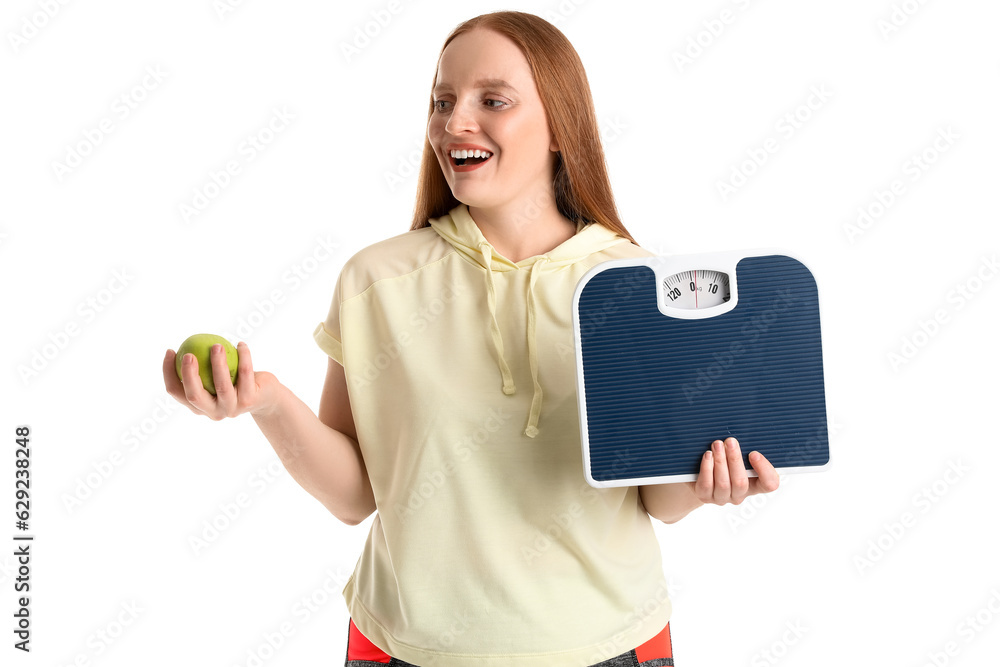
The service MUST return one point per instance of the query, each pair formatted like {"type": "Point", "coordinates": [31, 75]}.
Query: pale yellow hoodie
{"type": "Point", "coordinates": [488, 547]}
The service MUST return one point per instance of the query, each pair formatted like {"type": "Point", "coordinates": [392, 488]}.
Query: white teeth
{"type": "Point", "coordinates": [461, 154]}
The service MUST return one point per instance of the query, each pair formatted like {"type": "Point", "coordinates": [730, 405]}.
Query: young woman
{"type": "Point", "coordinates": [450, 402]}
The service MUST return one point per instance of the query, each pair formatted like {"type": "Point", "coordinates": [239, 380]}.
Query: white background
{"type": "Point", "coordinates": [865, 567]}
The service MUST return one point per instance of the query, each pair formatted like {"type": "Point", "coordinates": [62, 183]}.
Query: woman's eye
{"type": "Point", "coordinates": [442, 105]}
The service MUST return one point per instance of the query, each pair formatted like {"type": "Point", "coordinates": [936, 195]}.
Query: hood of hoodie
{"type": "Point", "coordinates": [461, 231]}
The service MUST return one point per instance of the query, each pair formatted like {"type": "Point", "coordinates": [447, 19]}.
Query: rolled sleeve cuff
{"type": "Point", "coordinates": [328, 343]}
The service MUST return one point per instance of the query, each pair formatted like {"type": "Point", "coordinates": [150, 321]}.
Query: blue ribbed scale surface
{"type": "Point", "coordinates": [659, 390]}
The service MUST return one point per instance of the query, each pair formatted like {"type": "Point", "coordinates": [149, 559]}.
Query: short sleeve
{"type": "Point", "coordinates": [327, 333]}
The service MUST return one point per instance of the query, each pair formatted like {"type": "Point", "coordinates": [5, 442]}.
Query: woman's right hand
{"type": "Point", "coordinates": [254, 392]}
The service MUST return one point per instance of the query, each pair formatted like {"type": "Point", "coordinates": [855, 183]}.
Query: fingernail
{"type": "Point", "coordinates": [708, 455]}
{"type": "Point", "coordinates": [731, 444]}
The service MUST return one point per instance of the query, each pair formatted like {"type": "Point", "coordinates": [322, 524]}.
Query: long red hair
{"type": "Point", "coordinates": [581, 184]}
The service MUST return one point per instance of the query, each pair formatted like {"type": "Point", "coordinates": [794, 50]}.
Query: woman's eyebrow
{"type": "Point", "coordinates": [481, 83]}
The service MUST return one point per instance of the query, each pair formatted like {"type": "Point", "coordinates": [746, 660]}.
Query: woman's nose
{"type": "Point", "coordinates": [461, 119]}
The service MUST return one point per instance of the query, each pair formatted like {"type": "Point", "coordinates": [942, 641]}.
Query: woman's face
{"type": "Point", "coordinates": [475, 109]}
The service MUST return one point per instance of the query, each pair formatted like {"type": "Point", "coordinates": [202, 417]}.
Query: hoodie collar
{"type": "Point", "coordinates": [461, 231]}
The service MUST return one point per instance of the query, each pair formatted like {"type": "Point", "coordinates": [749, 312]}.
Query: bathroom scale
{"type": "Point", "coordinates": [675, 352]}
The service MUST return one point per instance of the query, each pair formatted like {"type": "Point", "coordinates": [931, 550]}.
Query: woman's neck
{"type": "Point", "coordinates": [524, 228]}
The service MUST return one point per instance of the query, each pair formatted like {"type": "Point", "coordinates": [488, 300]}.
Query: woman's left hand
{"type": "Point", "coordinates": [723, 478]}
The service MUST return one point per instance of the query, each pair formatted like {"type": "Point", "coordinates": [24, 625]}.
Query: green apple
{"type": "Point", "coordinates": [200, 345]}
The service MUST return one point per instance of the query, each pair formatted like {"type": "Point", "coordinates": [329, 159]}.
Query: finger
{"type": "Point", "coordinates": [246, 384]}
{"type": "Point", "coordinates": [194, 390]}
{"type": "Point", "coordinates": [225, 393]}
{"type": "Point", "coordinates": [173, 383]}
{"type": "Point", "coordinates": [721, 489]}
{"type": "Point", "coordinates": [247, 390]}
{"type": "Point", "coordinates": [170, 379]}
{"type": "Point", "coordinates": [704, 485]}
{"type": "Point", "coordinates": [767, 477]}
{"type": "Point", "coordinates": [738, 479]}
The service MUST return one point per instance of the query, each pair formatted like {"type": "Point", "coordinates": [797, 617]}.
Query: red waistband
{"type": "Point", "coordinates": [657, 647]}
{"type": "Point", "coordinates": [360, 647]}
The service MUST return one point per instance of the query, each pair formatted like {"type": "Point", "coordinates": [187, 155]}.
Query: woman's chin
{"type": "Point", "coordinates": [470, 197]}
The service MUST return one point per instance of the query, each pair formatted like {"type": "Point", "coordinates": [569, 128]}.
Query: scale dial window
{"type": "Point", "coordinates": [696, 289]}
